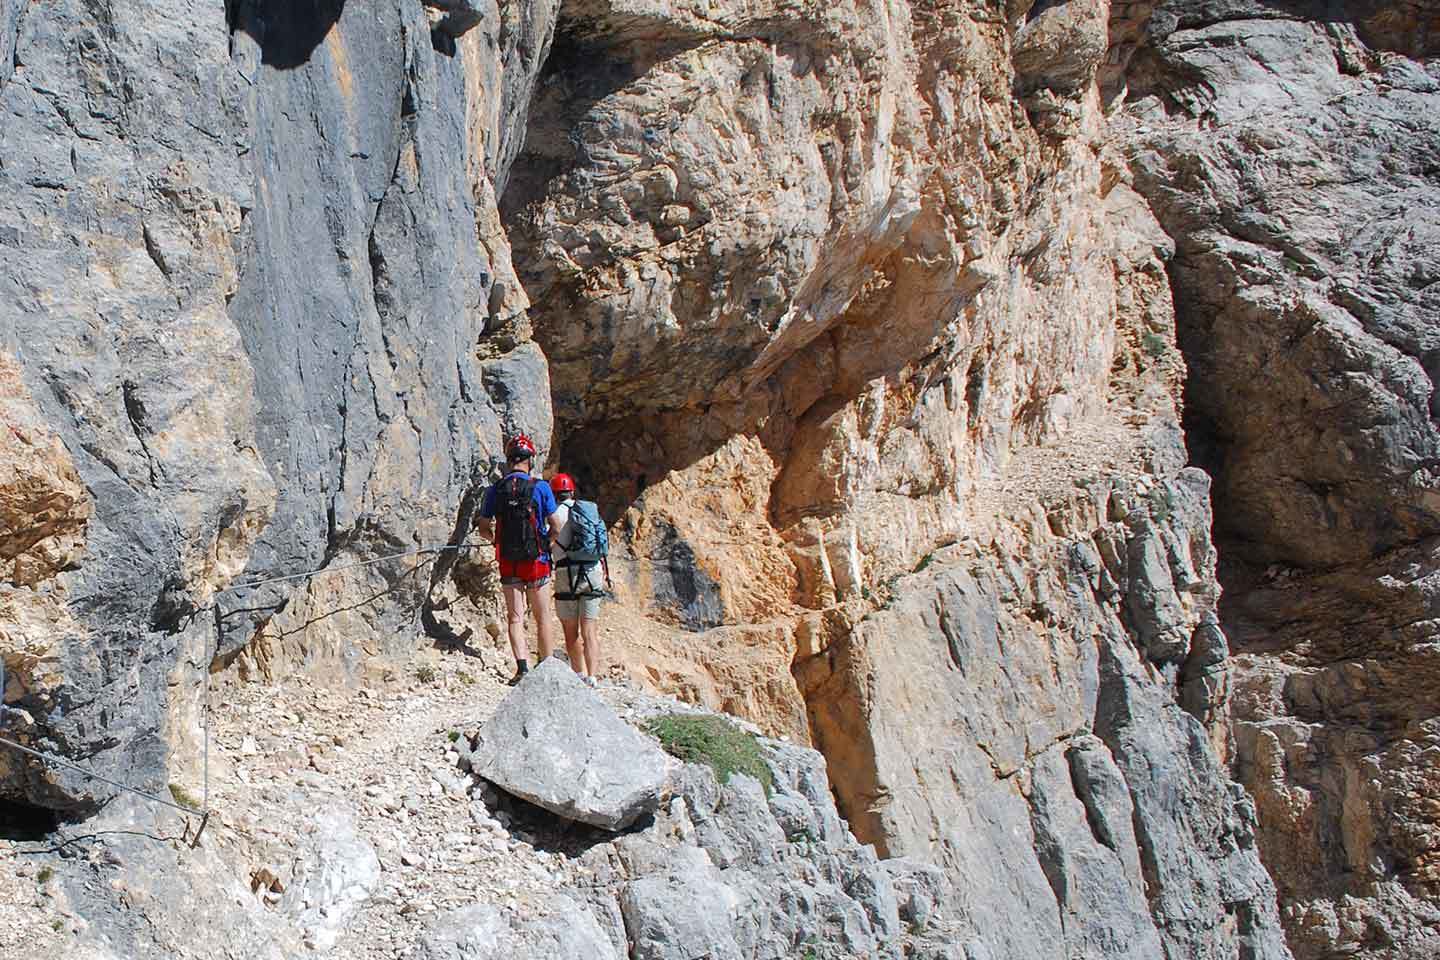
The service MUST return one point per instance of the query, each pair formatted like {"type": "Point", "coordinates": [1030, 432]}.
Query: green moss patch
{"type": "Point", "coordinates": [184, 797]}
{"type": "Point", "coordinates": [714, 741]}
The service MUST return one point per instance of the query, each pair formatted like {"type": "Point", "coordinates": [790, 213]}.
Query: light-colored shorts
{"type": "Point", "coordinates": [567, 579]}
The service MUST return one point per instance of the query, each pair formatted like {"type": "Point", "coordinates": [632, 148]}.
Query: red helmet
{"type": "Point", "coordinates": [562, 483]}
{"type": "Point", "coordinates": [519, 447]}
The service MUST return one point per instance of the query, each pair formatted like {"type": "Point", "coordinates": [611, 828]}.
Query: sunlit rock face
{"type": "Point", "coordinates": [808, 278]}
{"type": "Point", "coordinates": [833, 227]}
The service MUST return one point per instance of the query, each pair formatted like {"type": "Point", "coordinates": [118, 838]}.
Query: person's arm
{"type": "Point", "coordinates": [485, 520]}
{"type": "Point", "coordinates": [549, 509]}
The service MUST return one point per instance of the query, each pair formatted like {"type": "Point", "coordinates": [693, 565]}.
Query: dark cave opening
{"type": "Point", "coordinates": [23, 822]}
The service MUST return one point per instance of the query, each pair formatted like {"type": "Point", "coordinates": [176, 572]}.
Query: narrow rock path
{"type": "Point", "coordinates": [382, 758]}
{"type": "Point", "coordinates": [29, 914]}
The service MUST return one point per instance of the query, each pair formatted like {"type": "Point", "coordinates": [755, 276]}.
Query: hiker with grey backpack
{"type": "Point", "coordinates": [582, 576]}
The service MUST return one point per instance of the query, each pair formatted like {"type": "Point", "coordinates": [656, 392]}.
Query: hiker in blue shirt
{"type": "Point", "coordinates": [518, 515]}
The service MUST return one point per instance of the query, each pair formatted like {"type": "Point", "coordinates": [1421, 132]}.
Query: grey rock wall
{"type": "Point", "coordinates": [244, 280]}
{"type": "Point", "coordinates": [116, 221]}
{"type": "Point", "coordinates": [1290, 152]}
{"type": "Point", "coordinates": [1020, 718]}
{"type": "Point", "coordinates": [9, 28]}
{"type": "Point", "coordinates": [365, 288]}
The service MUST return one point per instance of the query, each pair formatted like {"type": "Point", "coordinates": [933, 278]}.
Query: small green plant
{"type": "Point", "coordinates": [57, 924]}
{"type": "Point", "coordinates": [453, 735]}
{"type": "Point", "coordinates": [43, 876]}
{"type": "Point", "coordinates": [425, 673]}
{"type": "Point", "coordinates": [1154, 345]}
{"type": "Point", "coordinates": [714, 741]}
{"type": "Point", "coordinates": [183, 797]}
{"type": "Point", "coordinates": [466, 678]}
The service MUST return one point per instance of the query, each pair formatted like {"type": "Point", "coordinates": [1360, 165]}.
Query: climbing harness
{"type": "Point", "coordinates": [586, 568]}
{"type": "Point", "coordinates": [203, 812]}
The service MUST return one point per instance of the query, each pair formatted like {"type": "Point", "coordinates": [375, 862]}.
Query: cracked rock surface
{"type": "Point", "coordinates": [244, 279]}
{"type": "Point", "coordinates": [1292, 159]}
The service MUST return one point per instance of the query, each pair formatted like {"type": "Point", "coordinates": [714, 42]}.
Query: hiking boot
{"type": "Point", "coordinates": [590, 682]}
{"type": "Point", "coordinates": [520, 671]}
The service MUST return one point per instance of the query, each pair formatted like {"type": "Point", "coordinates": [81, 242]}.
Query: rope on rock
{"type": "Point", "coordinates": [61, 761]}
{"type": "Point", "coordinates": [203, 812]}
{"type": "Point", "coordinates": [351, 566]}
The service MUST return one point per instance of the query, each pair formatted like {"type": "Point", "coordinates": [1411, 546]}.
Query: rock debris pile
{"type": "Point", "coordinates": [358, 828]}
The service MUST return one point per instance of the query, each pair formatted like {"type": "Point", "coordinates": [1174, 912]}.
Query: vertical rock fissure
{"type": "Point", "coordinates": [12, 19]}
{"type": "Point", "coordinates": [135, 413]}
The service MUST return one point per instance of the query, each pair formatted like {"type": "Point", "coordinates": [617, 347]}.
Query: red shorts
{"type": "Point", "coordinates": [531, 573]}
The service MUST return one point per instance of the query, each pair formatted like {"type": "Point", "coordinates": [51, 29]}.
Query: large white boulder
{"type": "Point", "coordinates": [556, 744]}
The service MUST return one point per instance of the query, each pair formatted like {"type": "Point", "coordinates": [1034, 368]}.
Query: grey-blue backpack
{"type": "Point", "coordinates": [589, 540]}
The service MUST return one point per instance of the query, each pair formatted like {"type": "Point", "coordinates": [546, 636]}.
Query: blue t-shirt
{"type": "Point", "coordinates": [545, 505]}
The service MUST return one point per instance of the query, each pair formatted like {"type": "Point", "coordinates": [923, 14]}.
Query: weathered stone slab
{"type": "Point", "coordinates": [553, 742]}
{"type": "Point", "coordinates": [687, 912]}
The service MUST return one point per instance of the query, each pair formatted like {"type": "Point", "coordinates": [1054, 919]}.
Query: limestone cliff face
{"type": "Point", "coordinates": [254, 282]}
{"type": "Point", "coordinates": [860, 320]}
{"type": "Point", "coordinates": [1291, 156]}
{"type": "Point", "coordinates": [1016, 704]}
{"type": "Point", "coordinates": [842, 303]}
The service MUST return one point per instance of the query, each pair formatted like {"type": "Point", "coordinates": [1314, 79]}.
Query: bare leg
{"type": "Point", "coordinates": [544, 628]}
{"type": "Point", "coordinates": [515, 620]}
{"type": "Point", "coordinates": [594, 657]}
{"type": "Point", "coordinates": [572, 644]}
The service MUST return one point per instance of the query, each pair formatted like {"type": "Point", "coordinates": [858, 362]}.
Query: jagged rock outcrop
{"type": "Point", "coordinates": [1290, 153]}
{"type": "Point", "coordinates": [1060, 750]}
{"type": "Point", "coordinates": [44, 512]}
{"type": "Point", "coordinates": [740, 869]}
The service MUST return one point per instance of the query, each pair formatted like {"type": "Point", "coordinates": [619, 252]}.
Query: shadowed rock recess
{"type": "Point", "coordinates": [912, 347]}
